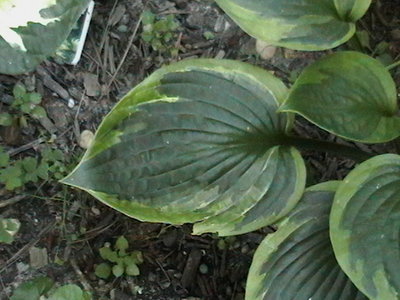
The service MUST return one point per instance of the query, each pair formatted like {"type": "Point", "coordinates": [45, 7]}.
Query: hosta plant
{"type": "Point", "coordinates": [30, 31]}
{"type": "Point", "coordinates": [297, 24]}
{"type": "Point", "coordinates": [209, 142]}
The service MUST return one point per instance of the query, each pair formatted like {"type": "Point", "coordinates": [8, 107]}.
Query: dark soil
{"type": "Point", "coordinates": [71, 225]}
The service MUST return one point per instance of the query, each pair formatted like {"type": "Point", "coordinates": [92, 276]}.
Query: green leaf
{"type": "Point", "coordinates": [35, 98]}
{"type": "Point", "coordinates": [4, 158]}
{"type": "Point", "coordinates": [8, 228]}
{"type": "Point", "coordinates": [352, 10]}
{"type": "Point", "coordinates": [11, 177]}
{"type": "Point", "coordinates": [26, 108]}
{"type": "Point", "coordinates": [23, 122]}
{"type": "Point", "coordinates": [349, 94]}
{"type": "Point", "coordinates": [118, 270]}
{"type": "Point", "coordinates": [38, 112]}
{"type": "Point", "coordinates": [68, 292]}
{"type": "Point", "coordinates": [19, 91]}
{"type": "Point", "coordinates": [365, 223]}
{"type": "Point", "coordinates": [29, 164]}
{"type": "Point", "coordinates": [107, 254]}
{"type": "Point", "coordinates": [147, 36]}
{"type": "Point", "coordinates": [198, 141]}
{"type": "Point", "coordinates": [132, 270]}
{"type": "Point", "coordinates": [299, 25]}
{"type": "Point", "coordinates": [52, 155]}
{"type": "Point", "coordinates": [5, 119]}
{"type": "Point", "coordinates": [33, 289]}
{"type": "Point", "coordinates": [208, 35]}
{"type": "Point", "coordinates": [148, 17]}
{"type": "Point", "coordinates": [297, 261]}
{"type": "Point", "coordinates": [103, 270]}
{"type": "Point", "coordinates": [122, 244]}
{"type": "Point", "coordinates": [43, 171]}
{"type": "Point", "coordinates": [137, 256]}
{"type": "Point", "coordinates": [28, 36]}
{"type": "Point", "coordinates": [13, 182]}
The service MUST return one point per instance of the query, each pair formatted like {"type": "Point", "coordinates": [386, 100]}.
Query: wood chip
{"type": "Point", "coordinates": [190, 271]}
{"type": "Point", "coordinates": [91, 83]}
{"type": "Point", "coordinates": [38, 257]}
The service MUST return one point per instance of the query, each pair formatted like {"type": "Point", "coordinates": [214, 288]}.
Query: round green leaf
{"type": "Point", "coordinates": [365, 222]}
{"type": "Point", "coordinates": [132, 270]}
{"type": "Point", "coordinates": [33, 289]}
{"type": "Point", "coordinates": [349, 94]}
{"type": "Point", "coordinates": [30, 31]}
{"type": "Point", "coordinates": [122, 243]}
{"type": "Point", "coordinates": [297, 261]}
{"type": "Point", "coordinates": [6, 119]}
{"type": "Point", "coordinates": [198, 141]}
{"type": "Point", "coordinates": [107, 254]}
{"type": "Point", "coordinates": [300, 25]}
{"type": "Point", "coordinates": [8, 229]}
{"type": "Point", "coordinates": [103, 270]}
{"type": "Point", "coordinates": [68, 292]}
{"type": "Point", "coordinates": [118, 270]}
{"type": "Point", "coordinates": [4, 157]}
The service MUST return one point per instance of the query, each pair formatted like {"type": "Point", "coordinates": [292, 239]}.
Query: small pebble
{"type": "Point", "coordinates": [71, 103]}
{"type": "Point", "coordinates": [165, 284]}
{"type": "Point", "coordinates": [203, 268]}
{"type": "Point", "coordinates": [265, 50]}
{"type": "Point", "coordinates": [86, 139]}
{"type": "Point", "coordinates": [122, 28]}
{"type": "Point", "coordinates": [245, 249]}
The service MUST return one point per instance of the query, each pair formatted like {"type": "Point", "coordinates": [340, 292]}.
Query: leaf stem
{"type": "Point", "coordinates": [329, 147]}
{"type": "Point", "coordinates": [393, 65]}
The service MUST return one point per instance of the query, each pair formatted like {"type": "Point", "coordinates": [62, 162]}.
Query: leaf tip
{"type": "Point", "coordinates": [70, 179]}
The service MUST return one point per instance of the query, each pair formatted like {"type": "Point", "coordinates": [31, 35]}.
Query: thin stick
{"type": "Point", "coordinates": [26, 147]}
{"type": "Point", "coordinates": [128, 47]}
{"type": "Point", "coordinates": [82, 277]}
{"type": "Point", "coordinates": [103, 40]}
{"type": "Point", "coordinates": [12, 200]}
{"type": "Point", "coordinates": [393, 66]}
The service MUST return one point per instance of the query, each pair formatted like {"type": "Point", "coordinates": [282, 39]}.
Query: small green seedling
{"type": "Point", "coordinates": [25, 104]}
{"type": "Point", "coordinates": [43, 288]}
{"type": "Point", "coordinates": [123, 262]}
{"type": "Point", "coordinates": [8, 228]}
{"type": "Point", "coordinates": [160, 32]}
{"type": "Point", "coordinates": [15, 174]}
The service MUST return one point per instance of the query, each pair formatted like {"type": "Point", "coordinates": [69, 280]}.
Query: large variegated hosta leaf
{"type": "Point", "coordinates": [198, 141]}
{"type": "Point", "coordinates": [31, 30]}
{"type": "Point", "coordinates": [297, 262]}
{"type": "Point", "coordinates": [349, 94]}
{"type": "Point", "coordinates": [297, 24]}
{"type": "Point", "coordinates": [365, 223]}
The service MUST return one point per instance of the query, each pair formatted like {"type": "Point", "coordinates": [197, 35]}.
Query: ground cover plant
{"type": "Point", "coordinates": [219, 144]}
